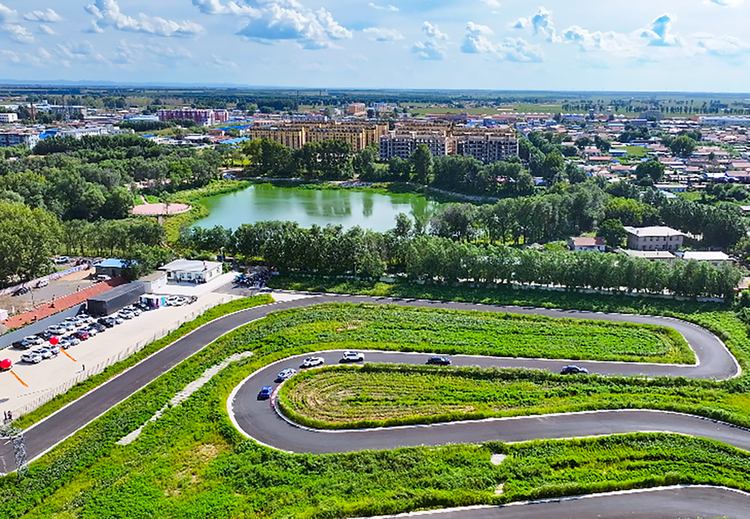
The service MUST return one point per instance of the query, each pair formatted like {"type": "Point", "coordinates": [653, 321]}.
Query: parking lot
{"type": "Point", "coordinates": [92, 355]}
{"type": "Point", "coordinates": [56, 289]}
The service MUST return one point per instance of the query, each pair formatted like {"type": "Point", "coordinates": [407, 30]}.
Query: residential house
{"type": "Point", "coordinates": [654, 238]}
{"type": "Point", "coordinates": [584, 243]}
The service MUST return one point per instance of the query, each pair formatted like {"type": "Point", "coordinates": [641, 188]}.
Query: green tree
{"type": "Point", "coordinates": [421, 161]}
{"type": "Point", "coordinates": [28, 240]}
{"type": "Point", "coordinates": [652, 169]}
{"type": "Point", "coordinates": [613, 232]}
{"type": "Point", "coordinates": [683, 146]}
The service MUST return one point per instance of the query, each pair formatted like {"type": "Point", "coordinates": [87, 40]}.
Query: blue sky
{"type": "Point", "coordinates": [655, 45]}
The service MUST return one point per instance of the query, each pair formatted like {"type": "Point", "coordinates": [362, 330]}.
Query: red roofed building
{"type": "Point", "coordinates": [584, 243]}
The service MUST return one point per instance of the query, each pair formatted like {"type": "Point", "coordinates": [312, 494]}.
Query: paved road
{"type": "Point", "coordinates": [714, 362]}
{"type": "Point", "coordinates": [683, 503]}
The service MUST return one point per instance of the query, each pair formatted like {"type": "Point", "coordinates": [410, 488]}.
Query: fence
{"type": "Point", "coordinates": [48, 394]}
{"type": "Point", "coordinates": [51, 277]}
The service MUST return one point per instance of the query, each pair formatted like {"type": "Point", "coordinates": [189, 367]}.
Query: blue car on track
{"type": "Point", "coordinates": [265, 393]}
{"type": "Point", "coordinates": [574, 370]}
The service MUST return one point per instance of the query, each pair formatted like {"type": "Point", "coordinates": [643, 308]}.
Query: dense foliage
{"type": "Point", "coordinates": [331, 250]}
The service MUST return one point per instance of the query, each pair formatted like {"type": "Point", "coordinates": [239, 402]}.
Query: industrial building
{"type": "Point", "coordinates": [192, 271]}
{"type": "Point", "coordinates": [114, 300]}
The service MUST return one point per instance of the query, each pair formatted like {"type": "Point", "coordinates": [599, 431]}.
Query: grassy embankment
{"type": "Point", "coordinates": [193, 463]}
{"type": "Point", "coordinates": [198, 211]}
{"type": "Point", "coordinates": [87, 385]}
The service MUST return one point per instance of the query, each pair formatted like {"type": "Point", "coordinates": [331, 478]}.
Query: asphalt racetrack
{"type": "Point", "coordinates": [257, 419]}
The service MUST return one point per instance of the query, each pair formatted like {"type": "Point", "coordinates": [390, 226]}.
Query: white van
{"type": "Point", "coordinates": [42, 283]}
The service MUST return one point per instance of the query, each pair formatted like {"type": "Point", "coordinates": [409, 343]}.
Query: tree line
{"type": "Point", "coordinates": [407, 250]}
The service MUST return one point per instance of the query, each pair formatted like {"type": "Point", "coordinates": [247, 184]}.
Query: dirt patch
{"type": "Point", "coordinates": [160, 209]}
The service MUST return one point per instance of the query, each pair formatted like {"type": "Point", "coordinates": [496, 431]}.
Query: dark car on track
{"type": "Point", "coordinates": [265, 393]}
{"type": "Point", "coordinates": [108, 322]}
{"type": "Point", "coordinates": [439, 360]}
{"type": "Point", "coordinates": [45, 335]}
{"type": "Point", "coordinates": [21, 291]}
{"type": "Point", "coordinates": [574, 370]}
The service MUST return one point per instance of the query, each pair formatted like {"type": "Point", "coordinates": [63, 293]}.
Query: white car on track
{"type": "Point", "coordinates": [311, 362]}
{"type": "Point", "coordinates": [353, 356]}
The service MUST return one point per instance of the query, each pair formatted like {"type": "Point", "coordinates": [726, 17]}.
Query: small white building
{"type": "Point", "coordinates": [192, 271]}
{"type": "Point", "coordinates": [584, 243]}
{"type": "Point", "coordinates": [650, 255]}
{"type": "Point", "coordinates": [715, 258]}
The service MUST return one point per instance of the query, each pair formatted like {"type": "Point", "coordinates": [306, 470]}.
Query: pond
{"type": "Point", "coordinates": [369, 209]}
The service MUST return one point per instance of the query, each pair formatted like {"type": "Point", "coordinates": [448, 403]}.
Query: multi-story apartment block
{"type": "Point", "coordinates": [288, 136]}
{"type": "Point", "coordinates": [398, 144]}
{"type": "Point", "coordinates": [357, 109]}
{"type": "Point", "coordinates": [201, 116]}
{"type": "Point", "coordinates": [16, 138]}
{"type": "Point", "coordinates": [358, 135]}
{"type": "Point", "coordinates": [8, 118]}
{"type": "Point", "coordinates": [486, 145]}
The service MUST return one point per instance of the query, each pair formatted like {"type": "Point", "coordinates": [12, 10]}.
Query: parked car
{"type": "Point", "coordinates": [107, 322]}
{"type": "Point", "coordinates": [103, 277]}
{"type": "Point", "coordinates": [574, 370]}
{"type": "Point", "coordinates": [133, 310]}
{"type": "Point", "coordinates": [43, 352]}
{"type": "Point", "coordinates": [45, 335]}
{"type": "Point", "coordinates": [97, 326]}
{"type": "Point", "coordinates": [21, 291]}
{"type": "Point", "coordinates": [62, 260]}
{"type": "Point", "coordinates": [125, 315]}
{"type": "Point", "coordinates": [439, 360]}
{"type": "Point", "coordinates": [286, 374]}
{"type": "Point", "coordinates": [82, 335]}
{"type": "Point", "coordinates": [265, 393]}
{"type": "Point", "coordinates": [353, 356]}
{"type": "Point", "coordinates": [68, 342]}
{"type": "Point", "coordinates": [90, 330]}
{"type": "Point", "coordinates": [21, 345]}
{"type": "Point", "coordinates": [311, 362]}
{"type": "Point", "coordinates": [33, 339]}
{"type": "Point", "coordinates": [57, 329]}
{"type": "Point", "coordinates": [42, 283]}
{"type": "Point", "coordinates": [31, 358]}
{"type": "Point", "coordinates": [71, 327]}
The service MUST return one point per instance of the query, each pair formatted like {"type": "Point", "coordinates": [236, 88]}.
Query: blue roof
{"type": "Point", "coordinates": [112, 263]}
{"type": "Point", "coordinates": [236, 141]}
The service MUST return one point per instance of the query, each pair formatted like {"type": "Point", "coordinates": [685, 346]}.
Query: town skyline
{"type": "Point", "coordinates": [664, 46]}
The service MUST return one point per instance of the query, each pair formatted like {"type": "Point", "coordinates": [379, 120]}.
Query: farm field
{"type": "Point", "coordinates": [380, 395]}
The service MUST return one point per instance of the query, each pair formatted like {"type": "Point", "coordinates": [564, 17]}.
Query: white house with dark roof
{"type": "Point", "coordinates": [192, 271]}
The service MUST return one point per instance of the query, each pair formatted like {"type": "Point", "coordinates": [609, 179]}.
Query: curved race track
{"type": "Point", "coordinates": [259, 421]}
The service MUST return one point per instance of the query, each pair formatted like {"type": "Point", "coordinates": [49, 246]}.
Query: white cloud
{"type": "Point", "coordinates": [221, 64]}
{"type": "Point", "coordinates": [48, 15]}
{"type": "Point", "coordinates": [722, 46]}
{"type": "Point", "coordinates": [107, 14]}
{"type": "Point", "coordinates": [432, 31]}
{"type": "Point", "coordinates": [614, 43]}
{"type": "Point", "coordinates": [128, 53]}
{"type": "Point", "coordinates": [492, 3]}
{"type": "Point", "coordinates": [476, 40]}
{"type": "Point", "coordinates": [541, 22]}
{"type": "Point", "coordinates": [726, 3]}
{"type": "Point", "coordinates": [82, 52]}
{"type": "Point", "coordinates": [46, 29]}
{"type": "Point", "coordinates": [429, 50]}
{"type": "Point", "coordinates": [10, 56]}
{"type": "Point", "coordinates": [216, 7]}
{"type": "Point", "coordinates": [659, 35]}
{"type": "Point", "coordinates": [388, 7]}
{"type": "Point", "coordinates": [290, 20]}
{"type": "Point", "coordinates": [379, 34]}
{"type": "Point", "coordinates": [7, 14]}
{"type": "Point", "coordinates": [18, 33]}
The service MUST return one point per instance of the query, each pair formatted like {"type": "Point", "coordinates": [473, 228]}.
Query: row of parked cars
{"type": "Point", "coordinates": [70, 333]}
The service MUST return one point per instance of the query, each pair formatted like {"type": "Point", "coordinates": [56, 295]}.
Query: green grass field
{"type": "Point", "coordinates": [636, 151]}
{"type": "Point", "coordinates": [379, 395]}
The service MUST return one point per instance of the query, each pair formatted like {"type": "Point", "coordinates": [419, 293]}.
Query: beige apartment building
{"type": "Point", "coordinates": [654, 238]}
{"type": "Point", "coordinates": [359, 135]}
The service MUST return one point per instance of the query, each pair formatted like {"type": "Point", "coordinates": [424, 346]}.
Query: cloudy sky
{"type": "Point", "coordinates": [655, 45]}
